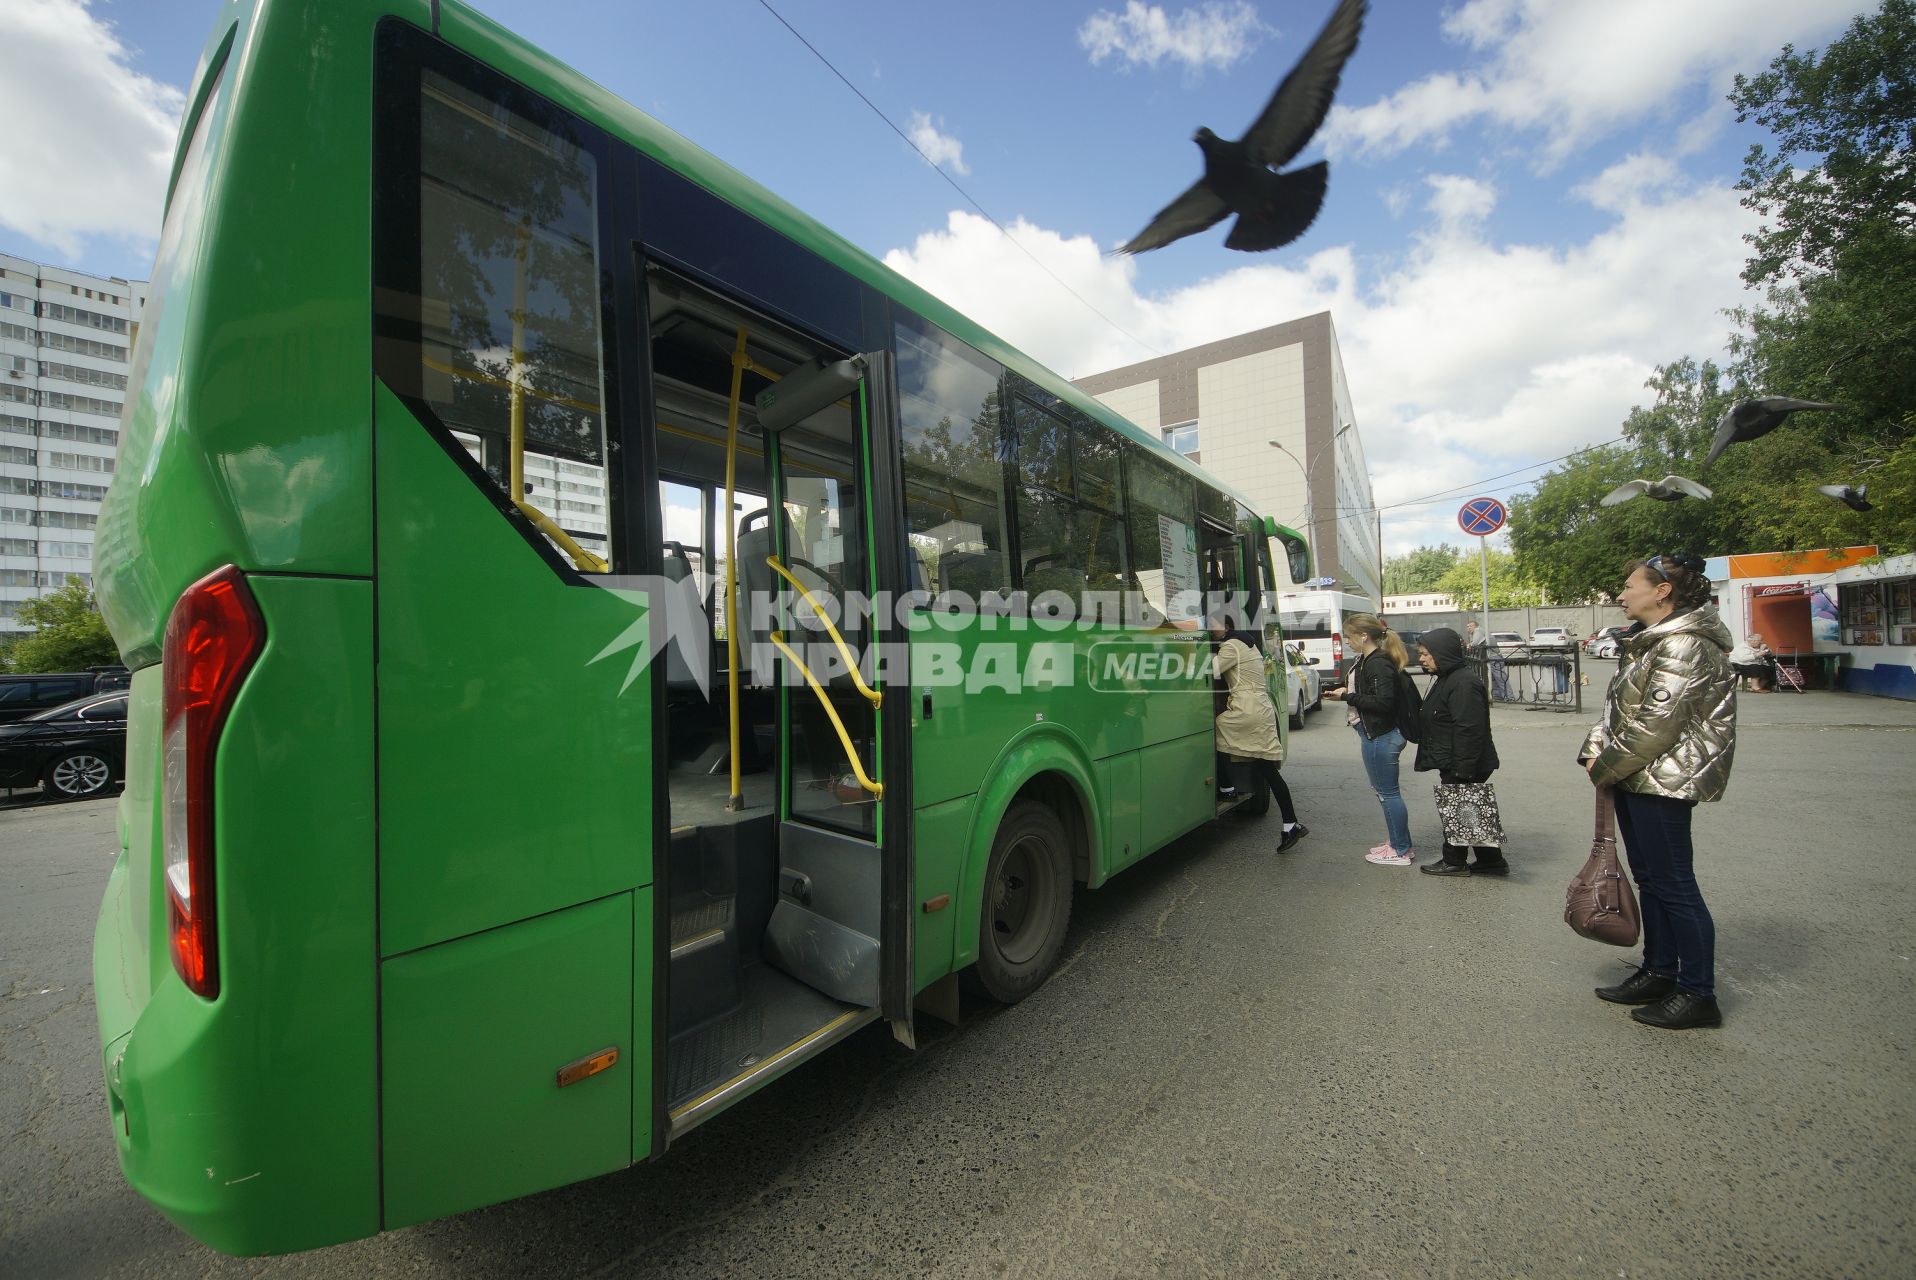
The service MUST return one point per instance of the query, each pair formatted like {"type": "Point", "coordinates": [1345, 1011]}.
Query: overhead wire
{"type": "Point", "coordinates": [969, 199]}
{"type": "Point", "coordinates": [1456, 490]}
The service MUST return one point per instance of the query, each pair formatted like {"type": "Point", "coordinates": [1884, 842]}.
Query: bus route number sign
{"type": "Point", "coordinates": [1481, 516]}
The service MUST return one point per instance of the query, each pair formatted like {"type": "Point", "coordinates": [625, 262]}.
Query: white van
{"type": "Point", "coordinates": [1316, 618]}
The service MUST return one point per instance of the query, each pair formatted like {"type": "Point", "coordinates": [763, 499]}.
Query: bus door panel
{"type": "Point", "coordinates": [843, 875]}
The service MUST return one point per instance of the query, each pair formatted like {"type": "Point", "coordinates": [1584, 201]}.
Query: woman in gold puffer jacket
{"type": "Point", "coordinates": [1665, 744]}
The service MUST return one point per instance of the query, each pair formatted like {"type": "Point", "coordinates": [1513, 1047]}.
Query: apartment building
{"type": "Point", "coordinates": [66, 339]}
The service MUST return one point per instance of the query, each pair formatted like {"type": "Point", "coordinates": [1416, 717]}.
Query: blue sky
{"type": "Point", "coordinates": [1530, 200]}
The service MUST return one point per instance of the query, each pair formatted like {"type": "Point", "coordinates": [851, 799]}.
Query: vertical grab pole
{"type": "Point", "coordinates": [517, 467]}
{"type": "Point", "coordinates": [736, 800]}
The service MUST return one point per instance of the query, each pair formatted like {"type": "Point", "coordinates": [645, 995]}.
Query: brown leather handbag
{"type": "Point", "coordinates": [1600, 904]}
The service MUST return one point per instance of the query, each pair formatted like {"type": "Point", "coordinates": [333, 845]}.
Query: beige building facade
{"type": "Point", "coordinates": [1222, 405]}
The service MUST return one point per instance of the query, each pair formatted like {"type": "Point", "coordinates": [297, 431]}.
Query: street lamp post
{"type": "Point", "coordinates": [1310, 502]}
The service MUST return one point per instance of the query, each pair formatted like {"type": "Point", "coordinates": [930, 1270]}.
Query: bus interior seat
{"type": "Point", "coordinates": [971, 572]}
{"type": "Point", "coordinates": [679, 680]}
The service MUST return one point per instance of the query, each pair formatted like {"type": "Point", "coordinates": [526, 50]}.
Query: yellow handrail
{"type": "Point", "coordinates": [736, 800]}
{"type": "Point", "coordinates": [872, 696]}
{"type": "Point", "coordinates": [831, 712]}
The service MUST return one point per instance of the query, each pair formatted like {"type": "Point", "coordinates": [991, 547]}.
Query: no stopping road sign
{"type": "Point", "coordinates": [1481, 516]}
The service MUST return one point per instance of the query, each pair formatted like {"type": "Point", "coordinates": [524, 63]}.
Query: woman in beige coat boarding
{"type": "Point", "coordinates": [1247, 728]}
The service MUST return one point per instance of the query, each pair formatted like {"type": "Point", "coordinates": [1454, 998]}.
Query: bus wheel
{"type": "Point", "coordinates": [1027, 905]}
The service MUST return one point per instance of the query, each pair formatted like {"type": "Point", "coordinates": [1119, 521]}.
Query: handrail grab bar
{"type": "Point", "coordinates": [831, 712]}
{"type": "Point", "coordinates": [873, 696]}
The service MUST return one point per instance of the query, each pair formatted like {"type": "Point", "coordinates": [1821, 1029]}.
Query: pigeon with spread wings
{"type": "Point", "coordinates": [1752, 419]}
{"type": "Point", "coordinates": [1241, 177]}
{"type": "Point", "coordinates": [1668, 489]}
{"type": "Point", "coordinates": [1850, 496]}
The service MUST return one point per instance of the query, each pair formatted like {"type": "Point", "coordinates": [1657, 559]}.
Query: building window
{"type": "Point", "coordinates": [1182, 438]}
{"type": "Point", "coordinates": [77, 431]}
{"type": "Point", "coordinates": [80, 462]}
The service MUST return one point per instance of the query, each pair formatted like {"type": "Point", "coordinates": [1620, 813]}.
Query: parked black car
{"type": "Point", "coordinates": [78, 749]}
{"type": "Point", "coordinates": [22, 696]}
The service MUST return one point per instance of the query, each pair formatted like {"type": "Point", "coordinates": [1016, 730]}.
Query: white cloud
{"type": "Point", "coordinates": [1466, 358]}
{"type": "Point", "coordinates": [1574, 70]}
{"type": "Point", "coordinates": [1211, 35]}
{"type": "Point", "coordinates": [1458, 201]}
{"type": "Point", "coordinates": [97, 155]}
{"type": "Point", "coordinates": [1629, 181]}
{"type": "Point", "coordinates": [939, 148]}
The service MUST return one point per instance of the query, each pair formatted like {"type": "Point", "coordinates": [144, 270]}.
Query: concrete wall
{"type": "Point", "coordinates": [1582, 619]}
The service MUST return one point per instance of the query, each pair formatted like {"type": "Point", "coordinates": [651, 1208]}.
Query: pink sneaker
{"type": "Point", "coordinates": [1381, 848]}
{"type": "Point", "coordinates": [1387, 858]}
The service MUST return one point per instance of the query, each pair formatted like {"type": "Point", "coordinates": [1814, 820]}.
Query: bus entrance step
{"type": "Point", "coordinates": [705, 959]}
{"type": "Point", "coordinates": [776, 1014]}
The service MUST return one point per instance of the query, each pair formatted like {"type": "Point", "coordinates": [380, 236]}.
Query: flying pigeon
{"type": "Point", "coordinates": [1241, 177]}
{"type": "Point", "coordinates": [1750, 419]}
{"type": "Point", "coordinates": [1854, 499]}
{"type": "Point", "coordinates": [1668, 489]}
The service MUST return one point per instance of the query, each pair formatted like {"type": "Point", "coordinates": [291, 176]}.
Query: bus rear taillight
{"type": "Point", "coordinates": [1337, 654]}
{"type": "Point", "coordinates": [212, 638]}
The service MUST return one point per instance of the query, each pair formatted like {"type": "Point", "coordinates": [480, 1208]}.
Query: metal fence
{"type": "Point", "coordinates": [1537, 679]}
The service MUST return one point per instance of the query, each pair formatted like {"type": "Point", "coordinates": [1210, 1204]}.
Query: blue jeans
{"type": "Point", "coordinates": [1380, 762]}
{"type": "Point", "coordinates": [1679, 937]}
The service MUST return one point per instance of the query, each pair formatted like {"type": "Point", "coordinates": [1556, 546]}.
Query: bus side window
{"type": "Point", "coordinates": [950, 435]}
{"type": "Point", "coordinates": [502, 321]}
{"type": "Point", "coordinates": [1161, 516]}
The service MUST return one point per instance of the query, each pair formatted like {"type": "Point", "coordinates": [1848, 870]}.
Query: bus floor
{"type": "Point", "coordinates": [777, 1019]}
{"type": "Point", "coordinates": [734, 1020]}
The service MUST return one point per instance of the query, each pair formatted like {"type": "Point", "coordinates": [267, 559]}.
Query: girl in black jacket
{"type": "Point", "coordinates": [1456, 743]}
{"type": "Point", "coordinates": [1376, 710]}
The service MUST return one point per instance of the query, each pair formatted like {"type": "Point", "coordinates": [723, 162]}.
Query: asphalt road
{"type": "Point", "coordinates": [1246, 1065]}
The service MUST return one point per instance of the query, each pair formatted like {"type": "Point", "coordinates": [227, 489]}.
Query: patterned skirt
{"type": "Point", "coordinates": [1469, 813]}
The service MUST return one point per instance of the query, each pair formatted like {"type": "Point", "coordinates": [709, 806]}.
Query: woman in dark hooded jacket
{"type": "Point", "coordinates": [1456, 743]}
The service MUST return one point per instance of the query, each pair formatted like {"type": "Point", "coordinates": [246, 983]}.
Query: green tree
{"type": "Point", "coordinates": [1574, 548]}
{"type": "Point", "coordinates": [1836, 253]}
{"type": "Point", "coordinates": [68, 633]}
{"type": "Point", "coordinates": [1418, 570]}
{"type": "Point", "coordinates": [1509, 588]}
{"type": "Point", "coordinates": [1842, 163]}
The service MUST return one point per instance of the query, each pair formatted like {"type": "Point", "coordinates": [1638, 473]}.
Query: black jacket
{"type": "Point", "coordinates": [1373, 691]}
{"type": "Point", "coordinates": [1456, 738]}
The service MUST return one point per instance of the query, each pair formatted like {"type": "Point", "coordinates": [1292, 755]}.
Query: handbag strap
{"type": "Point", "coordinates": [1606, 815]}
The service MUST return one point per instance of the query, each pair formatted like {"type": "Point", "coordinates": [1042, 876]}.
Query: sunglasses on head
{"type": "Point", "coordinates": [1655, 564]}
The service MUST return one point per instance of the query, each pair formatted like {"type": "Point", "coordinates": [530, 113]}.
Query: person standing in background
{"type": "Point", "coordinates": [1375, 712]}
{"type": "Point", "coordinates": [1456, 743]}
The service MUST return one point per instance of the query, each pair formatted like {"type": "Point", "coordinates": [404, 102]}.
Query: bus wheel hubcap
{"type": "Point", "coordinates": [1021, 902]}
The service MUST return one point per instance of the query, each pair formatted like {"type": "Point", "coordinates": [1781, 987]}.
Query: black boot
{"type": "Point", "coordinates": [1490, 861]}
{"type": "Point", "coordinates": [1453, 863]}
{"type": "Point", "coordinates": [1641, 987]}
{"type": "Point", "coordinates": [1679, 1011]}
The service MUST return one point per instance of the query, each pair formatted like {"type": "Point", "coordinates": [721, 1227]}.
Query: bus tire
{"type": "Point", "coordinates": [1258, 803]}
{"type": "Point", "coordinates": [1027, 904]}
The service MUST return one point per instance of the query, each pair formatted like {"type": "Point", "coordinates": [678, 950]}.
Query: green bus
{"type": "Point", "coordinates": [484, 829]}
